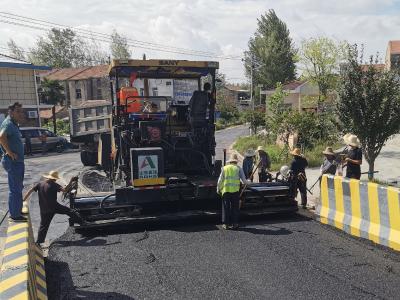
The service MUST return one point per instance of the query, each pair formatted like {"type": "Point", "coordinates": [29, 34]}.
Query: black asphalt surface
{"type": "Point", "coordinates": [276, 257]}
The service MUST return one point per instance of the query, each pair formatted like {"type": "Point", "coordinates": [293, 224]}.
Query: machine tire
{"type": "Point", "coordinates": [217, 167]}
{"type": "Point", "coordinates": [88, 158]}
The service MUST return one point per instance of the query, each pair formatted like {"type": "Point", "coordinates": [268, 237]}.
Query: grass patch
{"type": "Point", "coordinates": [222, 124]}
{"type": "Point", "coordinates": [278, 155]}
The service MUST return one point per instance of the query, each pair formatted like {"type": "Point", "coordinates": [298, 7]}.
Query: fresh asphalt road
{"type": "Point", "coordinates": [280, 257]}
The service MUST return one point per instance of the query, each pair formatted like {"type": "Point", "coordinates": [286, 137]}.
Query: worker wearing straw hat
{"type": "Point", "coordinates": [264, 164]}
{"type": "Point", "coordinates": [298, 168]}
{"type": "Point", "coordinates": [329, 164]}
{"type": "Point", "coordinates": [353, 159]}
{"type": "Point", "coordinates": [248, 163]}
{"type": "Point", "coordinates": [47, 191]}
{"type": "Point", "coordinates": [228, 186]}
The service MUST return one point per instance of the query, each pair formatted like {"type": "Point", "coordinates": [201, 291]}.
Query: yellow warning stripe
{"type": "Point", "coordinates": [23, 260]}
{"type": "Point", "coordinates": [374, 215]}
{"type": "Point", "coordinates": [41, 296]}
{"type": "Point", "coordinates": [339, 213]}
{"type": "Point", "coordinates": [22, 296]}
{"type": "Point", "coordinates": [40, 282]}
{"type": "Point", "coordinates": [40, 260]}
{"type": "Point", "coordinates": [12, 228]}
{"type": "Point", "coordinates": [13, 280]}
{"type": "Point", "coordinates": [41, 270]}
{"type": "Point", "coordinates": [355, 225]}
{"type": "Point", "coordinates": [394, 218]}
{"type": "Point", "coordinates": [17, 237]}
{"type": "Point", "coordinates": [16, 248]}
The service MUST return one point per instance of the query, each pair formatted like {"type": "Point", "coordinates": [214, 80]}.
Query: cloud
{"type": "Point", "coordinates": [218, 26]}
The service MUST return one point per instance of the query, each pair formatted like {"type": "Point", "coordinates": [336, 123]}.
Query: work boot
{"type": "Point", "coordinates": [225, 227]}
{"type": "Point", "coordinates": [18, 219]}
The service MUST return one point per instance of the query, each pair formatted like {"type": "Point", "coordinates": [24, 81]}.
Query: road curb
{"type": "Point", "coordinates": [22, 274]}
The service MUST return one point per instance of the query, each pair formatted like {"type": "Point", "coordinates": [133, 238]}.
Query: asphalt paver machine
{"type": "Point", "coordinates": [160, 154]}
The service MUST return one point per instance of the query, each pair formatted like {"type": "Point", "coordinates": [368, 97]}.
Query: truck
{"type": "Point", "coordinates": [159, 153]}
{"type": "Point", "coordinates": [88, 121]}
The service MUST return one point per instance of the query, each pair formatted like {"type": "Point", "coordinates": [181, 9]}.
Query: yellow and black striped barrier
{"type": "Point", "coordinates": [362, 209]}
{"type": "Point", "coordinates": [22, 274]}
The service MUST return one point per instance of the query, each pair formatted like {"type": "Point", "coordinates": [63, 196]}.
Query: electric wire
{"type": "Point", "coordinates": [86, 34]}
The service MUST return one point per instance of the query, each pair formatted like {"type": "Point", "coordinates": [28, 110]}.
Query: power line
{"type": "Point", "coordinates": [37, 24]}
{"type": "Point", "coordinates": [85, 31]}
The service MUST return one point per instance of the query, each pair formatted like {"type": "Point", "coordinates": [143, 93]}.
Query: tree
{"type": "Point", "coordinates": [95, 55]}
{"type": "Point", "coordinates": [119, 46]}
{"type": "Point", "coordinates": [16, 51]}
{"type": "Point", "coordinates": [52, 92]}
{"type": "Point", "coordinates": [255, 118]}
{"type": "Point", "coordinates": [369, 104]}
{"type": "Point", "coordinates": [60, 48]}
{"type": "Point", "coordinates": [271, 52]}
{"type": "Point", "coordinates": [320, 59]}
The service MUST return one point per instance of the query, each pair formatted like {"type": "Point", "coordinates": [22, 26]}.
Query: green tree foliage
{"type": "Point", "coordinates": [271, 52]}
{"type": "Point", "coordinates": [369, 104]}
{"type": "Point", "coordinates": [60, 48]}
{"type": "Point", "coordinates": [256, 119]}
{"type": "Point", "coordinates": [119, 46]}
{"type": "Point", "coordinates": [16, 51]}
{"type": "Point", "coordinates": [52, 92]}
{"type": "Point", "coordinates": [320, 59]}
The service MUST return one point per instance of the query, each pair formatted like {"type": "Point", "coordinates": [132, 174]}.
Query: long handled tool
{"type": "Point", "coordinates": [246, 184]}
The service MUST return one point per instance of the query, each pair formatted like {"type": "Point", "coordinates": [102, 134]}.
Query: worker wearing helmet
{"type": "Point", "coordinates": [228, 186]}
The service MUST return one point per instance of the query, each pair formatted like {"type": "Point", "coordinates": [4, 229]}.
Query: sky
{"type": "Point", "coordinates": [222, 27]}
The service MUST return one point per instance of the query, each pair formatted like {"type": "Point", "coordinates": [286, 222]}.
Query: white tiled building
{"type": "Point", "coordinates": [18, 84]}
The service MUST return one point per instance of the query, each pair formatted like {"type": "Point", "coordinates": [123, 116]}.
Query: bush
{"type": "Point", "coordinates": [62, 126]}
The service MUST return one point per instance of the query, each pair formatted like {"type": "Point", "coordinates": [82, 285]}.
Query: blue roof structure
{"type": "Point", "coordinates": [10, 62]}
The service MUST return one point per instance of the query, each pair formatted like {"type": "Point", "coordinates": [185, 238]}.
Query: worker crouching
{"type": "Point", "coordinates": [228, 186]}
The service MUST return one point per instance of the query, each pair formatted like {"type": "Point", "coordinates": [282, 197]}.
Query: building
{"type": "Point", "coordinates": [393, 55]}
{"type": "Point", "coordinates": [235, 94]}
{"type": "Point", "coordinates": [18, 83]}
{"type": "Point", "coordinates": [82, 84]}
{"type": "Point", "coordinates": [301, 95]}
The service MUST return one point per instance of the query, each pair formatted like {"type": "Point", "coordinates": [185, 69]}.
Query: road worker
{"type": "Point", "coordinates": [329, 164]}
{"type": "Point", "coordinates": [353, 158]}
{"type": "Point", "coordinates": [263, 164]}
{"type": "Point", "coordinates": [248, 163]}
{"type": "Point", "coordinates": [228, 186]}
{"type": "Point", "coordinates": [47, 190]}
{"type": "Point", "coordinates": [298, 168]}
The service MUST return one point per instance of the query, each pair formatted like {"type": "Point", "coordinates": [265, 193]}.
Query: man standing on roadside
{"type": "Point", "coordinates": [13, 159]}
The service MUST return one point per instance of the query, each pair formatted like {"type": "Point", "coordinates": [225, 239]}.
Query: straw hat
{"type": "Point", "coordinates": [296, 152]}
{"type": "Point", "coordinates": [233, 158]}
{"type": "Point", "coordinates": [353, 141]}
{"type": "Point", "coordinates": [52, 175]}
{"type": "Point", "coordinates": [249, 153]}
{"type": "Point", "coordinates": [260, 148]}
{"type": "Point", "coordinates": [346, 138]}
{"type": "Point", "coordinates": [328, 151]}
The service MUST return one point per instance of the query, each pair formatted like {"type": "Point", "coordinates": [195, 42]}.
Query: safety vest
{"type": "Point", "coordinates": [231, 182]}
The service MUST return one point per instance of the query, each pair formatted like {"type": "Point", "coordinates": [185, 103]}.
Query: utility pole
{"type": "Point", "coordinates": [251, 93]}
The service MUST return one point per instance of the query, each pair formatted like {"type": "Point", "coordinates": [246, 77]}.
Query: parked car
{"type": "Point", "coordinates": [54, 142]}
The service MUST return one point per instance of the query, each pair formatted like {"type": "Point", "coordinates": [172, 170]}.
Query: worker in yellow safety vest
{"type": "Point", "coordinates": [228, 186]}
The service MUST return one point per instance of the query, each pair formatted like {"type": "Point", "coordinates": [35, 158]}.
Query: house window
{"type": "Point", "coordinates": [78, 93]}
{"type": "Point", "coordinates": [99, 94]}
{"type": "Point", "coordinates": [37, 79]}
{"type": "Point", "coordinates": [142, 92]}
{"type": "Point", "coordinates": [155, 92]}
